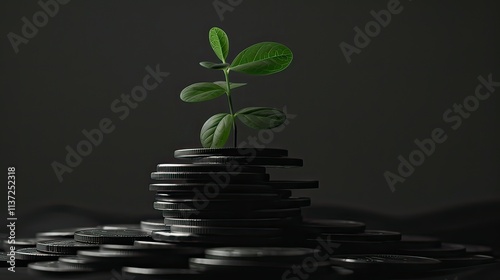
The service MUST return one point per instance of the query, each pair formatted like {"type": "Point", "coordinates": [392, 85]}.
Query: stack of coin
{"type": "Point", "coordinates": [331, 248]}
{"type": "Point", "coordinates": [223, 216]}
{"type": "Point", "coordinates": [99, 249]}
{"type": "Point", "coordinates": [388, 253]}
{"type": "Point", "coordinates": [224, 197]}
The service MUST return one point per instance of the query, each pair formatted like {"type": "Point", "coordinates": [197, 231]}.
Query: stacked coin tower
{"type": "Point", "coordinates": [223, 216]}
{"type": "Point", "coordinates": [224, 197]}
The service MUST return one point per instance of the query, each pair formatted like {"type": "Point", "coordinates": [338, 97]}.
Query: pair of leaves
{"type": "Point", "coordinates": [260, 59]}
{"type": "Point", "coordinates": [217, 128]}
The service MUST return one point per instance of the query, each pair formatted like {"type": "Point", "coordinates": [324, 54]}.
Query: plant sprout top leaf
{"type": "Point", "coordinates": [219, 42]}
{"type": "Point", "coordinates": [259, 59]}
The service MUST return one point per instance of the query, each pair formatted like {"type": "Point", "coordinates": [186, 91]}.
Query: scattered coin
{"type": "Point", "coordinates": [455, 262]}
{"type": "Point", "coordinates": [118, 236]}
{"type": "Point", "coordinates": [388, 264]}
{"type": "Point", "coordinates": [271, 254]}
{"type": "Point", "coordinates": [20, 243]}
{"type": "Point", "coordinates": [31, 254]}
{"type": "Point", "coordinates": [471, 249]}
{"type": "Point", "coordinates": [446, 250]}
{"type": "Point", "coordinates": [161, 273]}
{"type": "Point", "coordinates": [367, 235]}
{"type": "Point", "coordinates": [63, 246]}
{"type": "Point", "coordinates": [58, 233]}
{"type": "Point", "coordinates": [416, 241]}
{"type": "Point", "coordinates": [58, 267]}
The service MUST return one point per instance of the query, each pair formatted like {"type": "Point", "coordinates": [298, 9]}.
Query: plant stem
{"type": "Point", "coordinates": [230, 101]}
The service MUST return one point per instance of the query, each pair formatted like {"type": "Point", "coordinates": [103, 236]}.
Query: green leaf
{"type": "Point", "coordinates": [216, 130]}
{"type": "Point", "coordinates": [262, 59]}
{"type": "Point", "coordinates": [214, 66]}
{"type": "Point", "coordinates": [219, 42]}
{"type": "Point", "coordinates": [223, 84]}
{"type": "Point", "coordinates": [201, 92]}
{"type": "Point", "coordinates": [261, 117]}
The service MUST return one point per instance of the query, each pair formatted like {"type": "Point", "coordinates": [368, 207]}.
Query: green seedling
{"type": "Point", "coordinates": [260, 59]}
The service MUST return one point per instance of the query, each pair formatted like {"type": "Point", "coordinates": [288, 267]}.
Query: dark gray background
{"type": "Point", "coordinates": [353, 120]}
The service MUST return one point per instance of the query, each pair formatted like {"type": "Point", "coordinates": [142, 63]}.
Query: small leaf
{"type": "Point", "coordinates": [214, 66]}
{"type": "Point", "coordinates": [260, 117]}
{"type": "Point", "coordinates": [262, 59]}
{"type": "Point", "coordinates": [201, 92]}
{"type": "Point", "coordinates": [223, 84]}
{"type": "Point", "coordinates": [216, 130]}
{"type": "Point", "coordinates": [219, 42]}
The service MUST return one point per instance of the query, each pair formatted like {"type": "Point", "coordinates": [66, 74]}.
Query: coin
{"type": "Point", "coordinates": [456, 262]}
{"type": "Point", "coordinates": [368, 235]}
{"type": "Point", "coordinates": [156, 224]}
{"type": "Point", "coordinates": [248, 152]}
{"type": "Point", "coordinates": [223, 196]}
{"type": "Point", "coordinates": [234, 214]}
{"type": "Point", "coordinates": [416, 241]}
{"type": "Point", "coordinates": [162, 273]}
{"type": "Point", "coordinates": [174, 167]}
{"type": "Point", "coordinates": [63, 246]}
{"type": "Point", "coordinates": [245, 267]}
{"type": "Point", "coordinates": [380, 263]}
{"type": "Point", "coordinates": [270, 222]}
{"type": "Point", "coordinates": [444, 251]}
{"type": "Point", "coordinates": [471, 249]}
{"type": "Point", "coordinates": [210, 188]}
{"type": "Point", "coordinates": [31, 254]}
{"type": "Point", "coordinates": [119, 227]}
{"type": "Point", "coordinates": [20, 243]}
{"type": "Point", "coordinates": [233, 231]}
{"type": "Point", "coordinates": [116, 258]}
{"type": "Point", "coordinates": [118, 236]}
{"type": "Point", "coordinates": [191, 238]}
{"type": "Point", "coordinates": [81, 262]}
{"type": "Point", "coordinates": [58, 267]}
{"type": "Point", "coordinates": [58, 233]}
{"type": "Point", "coordinates": [276, 162]}
{"type": "Point", "coordinates": [209, 176]}
{"type": "Point", "coordinates": [270, 254]}
{"type": "Point", "coordinates": [293, 185]}
{"type": "Point", "coordinates": [333, 226]}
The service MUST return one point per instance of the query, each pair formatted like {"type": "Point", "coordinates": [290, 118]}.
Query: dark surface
{"type": "Point", "coordinates": [487, 272]}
